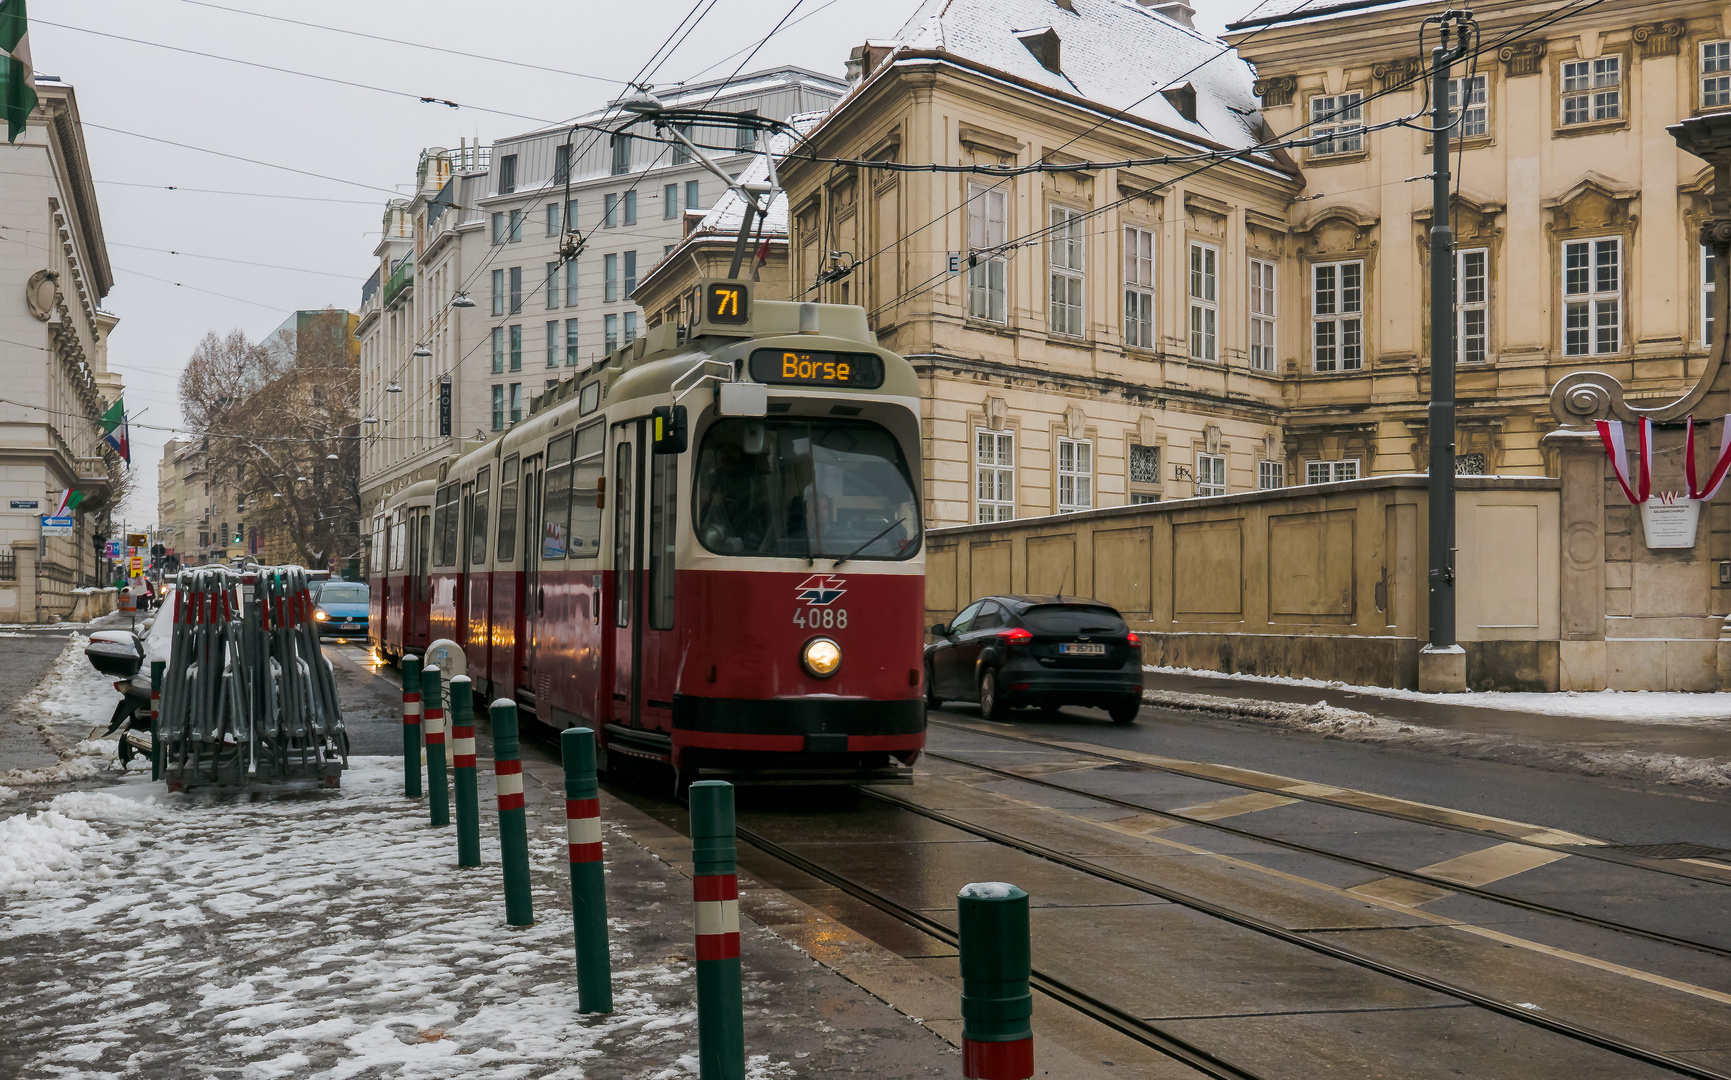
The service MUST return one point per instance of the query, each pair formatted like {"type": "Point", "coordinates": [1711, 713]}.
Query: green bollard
{"type": "Point", "coordinates": [997, 1005]}
{"type": "Point", "coordinates": [463, 772]}
{"type": "Point", "coordinates": [513, 830]}
{"type": "Point", "coordinates": [412, 726]}
{"type": "Point", "coordinates": [156, 669]}
{"type": "Point", "coordinates": [588, 875]}
{"type": "Point", "coordinates": [433, 719]}
{"type": "Point", "coordinates": [715, 888]}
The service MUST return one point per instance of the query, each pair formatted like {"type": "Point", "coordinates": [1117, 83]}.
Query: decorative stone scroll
{"type": "Point", "coordinates": [1523, 58]}
{"type": "Point", "coordinates": [1276, 91]}
{"type": "Point", "coordinates": [1658, 39]}
{"type": "Point", "coordinates": [1405, 70]}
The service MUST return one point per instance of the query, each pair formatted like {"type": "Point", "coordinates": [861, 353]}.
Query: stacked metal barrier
{"type": "Point", "coordinates": [249, 700]}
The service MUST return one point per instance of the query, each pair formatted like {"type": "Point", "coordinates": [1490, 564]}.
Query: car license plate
{"type": "Point", "coordinates": [350, 625]}
{"type": "Point", "coordinates": [1082, 648]}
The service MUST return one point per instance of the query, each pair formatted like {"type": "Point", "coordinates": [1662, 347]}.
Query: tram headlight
{"type": "Point", "coordinates": [821, 657]}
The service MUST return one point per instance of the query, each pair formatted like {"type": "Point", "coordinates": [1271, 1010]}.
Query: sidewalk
{"type": "Point", "coordinates": [1672, 738]}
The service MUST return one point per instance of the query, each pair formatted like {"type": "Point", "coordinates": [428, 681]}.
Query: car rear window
{"type": "Point", "coordinates": [1074, 619]}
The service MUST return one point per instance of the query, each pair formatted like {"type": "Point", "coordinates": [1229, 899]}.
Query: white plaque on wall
{"type": "Point", "coordinates": [1669, 520]}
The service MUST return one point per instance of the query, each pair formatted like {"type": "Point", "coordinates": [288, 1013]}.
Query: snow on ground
{"type": "Point", "coordinates": [1334, 722]}
{"type": "Point", "coordinates": [72, 703]}
{"type": "Point", "coordinates": [323, 935]}
{"type": "Point", "coordinates": [1633, 706]}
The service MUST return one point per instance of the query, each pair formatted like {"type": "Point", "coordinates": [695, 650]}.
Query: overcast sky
{"type": "Point", "coordinates": [364, 142]}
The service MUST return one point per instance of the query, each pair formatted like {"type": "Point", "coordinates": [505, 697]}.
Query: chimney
{"type": "Point", "coordinates": [1176, 10]}
{"type": "Point", "coordinates": [864, 59]}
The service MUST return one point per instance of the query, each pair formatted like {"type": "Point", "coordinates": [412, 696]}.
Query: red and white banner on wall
{"type": "Point", "coordinates": [1668, 518]}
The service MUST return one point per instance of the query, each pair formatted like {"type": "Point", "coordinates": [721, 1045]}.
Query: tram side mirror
{"type": "Point", "coordinates": [743, 399]}
{"type": "Point", "coordinates": [669, 429]}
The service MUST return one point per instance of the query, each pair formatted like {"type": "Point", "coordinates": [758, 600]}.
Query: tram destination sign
{"type": "Point", "coordinates": [856, 371]}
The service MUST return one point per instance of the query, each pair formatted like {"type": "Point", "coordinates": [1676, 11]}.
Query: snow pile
{"type": "Point", "coordinates": [1630, 706]}
{"type": "Point", "coordinates": [39, 849]}
{"type": "Point", "coordinates": [1334, 722]}
{"type": "Point", "coordinates": [72, 702]}
{"type": "Point", "coordinates": [325, 934]}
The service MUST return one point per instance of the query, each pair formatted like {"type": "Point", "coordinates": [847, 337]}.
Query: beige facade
{"type": "Point", "coordinates": [1035, 406]}
{"type": "Point", "coordinates": [1576, 218]}
{"type": "Point", "coordinates": [54, 273]}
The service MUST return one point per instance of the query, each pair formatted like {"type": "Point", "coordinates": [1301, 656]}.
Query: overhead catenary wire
{"type": "Point", "coordinates": [247, 194]}
{"type": "Point", "coordinates": [1574, 7]}
{"type": "Point", "coordinates": [240, 262]}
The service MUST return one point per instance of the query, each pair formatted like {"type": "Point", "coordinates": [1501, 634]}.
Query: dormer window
{"type": "Point", "coordinates": [1043, 43]}
{"type": "Point", "coordinates": [1183, 99]}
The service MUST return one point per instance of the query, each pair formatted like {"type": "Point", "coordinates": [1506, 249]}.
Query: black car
{"type": "Point", "coordinates": [1045, 651]}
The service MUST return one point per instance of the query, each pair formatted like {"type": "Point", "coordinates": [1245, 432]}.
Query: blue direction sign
{"type": "Point", "coordinates": [57, 526]}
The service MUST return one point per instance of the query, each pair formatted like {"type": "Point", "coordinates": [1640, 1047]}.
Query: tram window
{"type": "Point", "coordinates": [478, 517]}
{"type": "Point", "coordinates": [622, 535]}
{"type": "Point", "coordinates": [396, 541]}
{"type": "Point", "coordinates": [583, 541]}
{"type": "Point", "coordinates": [663, 532]}
{"type": "Point", "coordinates": [426, 545]}
{"type": "Point", "coordinates": [806, 489]}
{"type": "Point", "coordinates": [556, 498]}
{"type": "Point", "coordinates": [446, 527]}
{"type": "Point", "coordinates": [507, 546]}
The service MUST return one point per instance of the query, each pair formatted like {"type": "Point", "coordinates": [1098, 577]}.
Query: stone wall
{"type": "Point", "coordinates": [1323, 581]}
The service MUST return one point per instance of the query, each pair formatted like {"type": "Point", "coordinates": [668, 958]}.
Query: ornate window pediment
{"type": "Point", "coordinates": [1475, 220]}
{"type": "Point", "coordinates": [1337, 230]}
{"type": "Point", "coordinates": [1594, 204]}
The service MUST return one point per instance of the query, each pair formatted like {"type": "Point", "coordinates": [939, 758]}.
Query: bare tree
{"type": "Point", "coordinates": [284, 424]}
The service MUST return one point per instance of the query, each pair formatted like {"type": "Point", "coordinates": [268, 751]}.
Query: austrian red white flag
{"type": "Point", "coordinates": [1703, 492]}
{"type": "Point", "coordinates": [1611, 434]}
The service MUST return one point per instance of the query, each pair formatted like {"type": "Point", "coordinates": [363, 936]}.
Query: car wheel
{"type": "Point", "coordinates": [1124, 712]}
{"type": "Point", "coordinates": [992, 705]}
{"type": "Point", "coordinates": [933, 701]}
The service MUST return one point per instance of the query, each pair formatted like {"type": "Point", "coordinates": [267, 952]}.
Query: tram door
{"type": "Point", "coordinates": [644, 499]}
{"type": "Point", "coordinates": [533, 605]}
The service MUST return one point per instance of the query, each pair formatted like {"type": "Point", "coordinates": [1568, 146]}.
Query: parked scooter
{"type": "Point", "coordinates": [126, 654]}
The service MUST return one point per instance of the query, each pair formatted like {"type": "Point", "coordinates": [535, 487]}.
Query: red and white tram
{"type": "Point", "coordinates": [708, 549]}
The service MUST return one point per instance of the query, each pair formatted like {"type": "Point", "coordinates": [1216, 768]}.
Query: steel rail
{"type": "Point", "coordinates": [1110, 1015]}
{"type": "Point", "coordinates": [1577, 1032]}
{"type": "Point", "coordinates": [1367, 864]}
{"type": "Point", "coordinates": [1585, 852]}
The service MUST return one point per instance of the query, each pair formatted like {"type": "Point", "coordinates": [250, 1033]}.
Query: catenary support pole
{"type": "Point", "coordinates": [433, 720]}
{"type": "Point", "coordinates": [997, 1005]}
{"type": "Point", "coordinates": [412, 726]}
{"type": "Point", "coordinates": [513, 830]}
{"type": "Point", "coordinates": [463, 772]}
{"type": "Point", "coordinates": [1442, 654]}
{"type": "Point", "coordinates": [588, 873]}
{"type": "Point", "coordinates": [156, 670]}
{"type": "Point", "coordinates": [715, 888]}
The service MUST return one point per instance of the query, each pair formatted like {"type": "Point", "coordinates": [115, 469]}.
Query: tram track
{"type": "Point", "coordinates": [1156, 1036]}
{"type": "Point", "coordinates": [1173, 768]}
{"type": "Point", "coordinates": [1385, 869]}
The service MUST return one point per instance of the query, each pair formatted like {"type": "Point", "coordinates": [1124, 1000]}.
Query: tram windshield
{"type": "Point", "coordinates": [833, 489]}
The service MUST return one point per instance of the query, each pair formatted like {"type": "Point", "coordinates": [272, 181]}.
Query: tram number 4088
{"type": "Point", "coordinates": [821, 618]}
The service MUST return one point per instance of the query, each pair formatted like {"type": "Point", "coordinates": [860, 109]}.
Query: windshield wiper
{"type": "Point", "coordinates": [870, 542]}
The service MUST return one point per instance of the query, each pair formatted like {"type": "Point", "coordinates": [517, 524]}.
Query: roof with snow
{"type": "Point", "coordinates": [1114, 53]}
{"type": "Point", "coordinates": [1275, 12]}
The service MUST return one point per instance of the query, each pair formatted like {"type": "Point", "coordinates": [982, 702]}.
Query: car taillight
{"type": "Point", "coordinates": [1015, 635]}
{"type": "Point", "coordinates": [1133, 639]}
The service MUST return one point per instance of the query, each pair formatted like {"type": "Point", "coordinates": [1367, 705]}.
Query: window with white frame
{"type": "Point", "coordinates": [994, 475]}
{"type": "Point", "coordinates": [1262, 315]}
{"type": "Point", "coordinates": [1327, 472]}
{"type": "Point", "coordinates": [552, 219]}
{"type": "Point", "coordinates": [1715, 74]}
{"type": "Point", "coordinates": [1709, 289]}
{"type": "Point", "coordinates": [1064, 255]}
{"type": "Point", "coordinates": [516, 226]}
{"type": "Point", "coordinates": [1337, 315]}
{"type": "Point", "coordinates": [1210, 474]}
{"type": "Point", "coordinates": [1138, 288]}
{"type": "Point", "coordinates": [570, 342]}
{"type": "Point", "coordinates": [1204, 302]}
{"type": "Point", "coordinates": [1592, 90]}
{"type": "Point", "coordinates": [610, 331]}
{"type": "Point", "coordinates": [497, 340]}
{"type": "Point", "coordinates": [1339, 120]}
{"type": "Point", "coordinates": [1472, 305]}
{"type": "Point", "coordinates": [498, 406]}
{"type": "Point", "coordinates": [986, 267]}
{"type": "Point", "coordinates": [499, 292]}
{"type": "Point", "coordinates": [1476, 120]}
{"type": "Point", "coordinates": [1075, 475]}
{"type": "Point", "coordinates": [1592, 296]}
{"type": "Point", "coordinates": [610, 278]}
{"type": "Point", "coordinates": [553, 343]}
{"type": "Point", "coordinates": [552, 285]}
{"type": "Point", "coordinates": [571, 294]}
{"type": "Point", "coordinates": [516, 402]}
{"type": "Point", "coordinates": [1270, 475]}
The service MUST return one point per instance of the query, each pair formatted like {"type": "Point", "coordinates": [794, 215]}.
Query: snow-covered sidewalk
{"type": "Point", "coordinates": [331, 935]}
